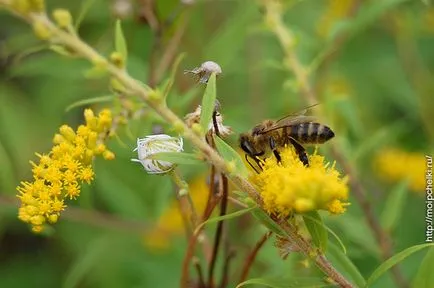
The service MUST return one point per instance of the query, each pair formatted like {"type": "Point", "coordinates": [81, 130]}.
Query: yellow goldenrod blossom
{"type": "Point", "coordinates": [336, 10]}
{"type": "Point", "coordinates": [60, 173]}
{"type": "Point", "coordinates": [290, 187]}
{"type": "Point", "coordinates": [395, 165]}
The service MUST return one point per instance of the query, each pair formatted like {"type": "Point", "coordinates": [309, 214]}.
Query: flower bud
{"type": "Point", "coordinates": [117, 59]}
{"type": "Point", "coordinates": [41, 30]}
{"type": "Point", "coordinates": [62, 17]}
{"type": "Point", "coordinates": [154, 144]}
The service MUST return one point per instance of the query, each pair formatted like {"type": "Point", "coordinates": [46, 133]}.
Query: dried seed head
{"type": "Point", "coordinates": [204, 71]}
{"type": "Point", "coordinates": [285, 247]}
{"type": "Point", "coordinates": [194, 118]}
{"type": "Point", "coordinates": [187, 2]}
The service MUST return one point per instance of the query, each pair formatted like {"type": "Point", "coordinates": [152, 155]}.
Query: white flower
{"type": "Point", "coordinates": [153, 144]}
{"type": "Point", "coordinates": [204, 71]}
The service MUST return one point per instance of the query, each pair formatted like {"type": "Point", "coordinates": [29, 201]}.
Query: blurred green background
{"type": "Point", "coordinates": [372, 64]}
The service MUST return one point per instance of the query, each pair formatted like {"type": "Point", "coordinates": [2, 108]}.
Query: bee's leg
{"type": "Point", "coordinates": [275, 152]}
{"type": "Point", "coordinates": [301, 152]}
{"type": "Point", "coordinates": [251, 165]}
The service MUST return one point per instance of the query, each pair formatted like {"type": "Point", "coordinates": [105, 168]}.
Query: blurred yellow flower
{"type": "Point", "coordinates": [428, 20]}
{"type": "Point", "coordinates": [170, 224]}
{"type": "Point", "coordinates": [60, 173]}
{"type": "Point", "coordinates": [292, 187]}
{"type": "Point", "coordinates": [395, 165]}
{"type": "Point", "coordinates": [336, 10]}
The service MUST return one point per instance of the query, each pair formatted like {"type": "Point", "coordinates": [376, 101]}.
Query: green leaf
{"type": "Point", "coordinates": [171, 80]}
{"type": "Point", "coordinates": [317, 230]}
{"type": "Point", "coordinates": [208, 103]}
{"type": "Point", "coordinates": [120, 43]}
{"type": "Point", "coordinates": [91, 256]}
{"type": "Point", "coordinates": [61, 50]}
{"type": "Point", "coordinates": [378, 138]}
{"type": "Point", "coordinates": [263, 217]}
{"type": "Point", "coordinates": [89, 101]}
{"type": "Point", "coordinates": [225, 217]}
{"type": "Point", "coordinates": [347, 265]}
{"type": "Point", "coordinates": [229, 154]}
{"type": "Point", "coordinates": [395, 259]}
{"type": "Point", "coordinates": [7, 176]}
{"type": "Point", "coordinates": [177, 158]}
{"type": "Point", "coordinates": [394, 206]}
{"type": "Point", "coordinates": [95, 73]}
{"type": "Point", "coordinates": [285, 282]}
{"type": "Point", "coordinates": [425, 277]}
{"type": "Point", "coordinates": [344, 249]}
{"type": "Point", "coordinates": [85, 6]}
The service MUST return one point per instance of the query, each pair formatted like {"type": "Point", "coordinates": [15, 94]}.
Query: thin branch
{"type": "Point", "coordinates": [201, 282]}
{"type": "Point", "coordinates": [219, 230]}
{"type": "Point", "coordinates": [252, 255]}
{"type": "Point", "coordinates": [225, 275]}
{"type": "Point", "coordinates": [188, 211]}
{"type": "Point", "coordinates": [320, 259]}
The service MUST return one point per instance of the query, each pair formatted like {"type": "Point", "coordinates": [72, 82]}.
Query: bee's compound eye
{"type": "Point", "coordinates": [245, 145]}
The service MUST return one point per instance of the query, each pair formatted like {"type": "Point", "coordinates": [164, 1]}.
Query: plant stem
{"type": "Point", "coordinates": [186, 205]}
{"type": "Point", "coordinates": [320, 259]}
{"type": "Point", "coordinates": [219, 230]}
{"type": "Point", "coordinates": [252, 255]}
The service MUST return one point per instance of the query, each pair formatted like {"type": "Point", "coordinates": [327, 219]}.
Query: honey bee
{"type": "Point", "coordinates": [295, 129]}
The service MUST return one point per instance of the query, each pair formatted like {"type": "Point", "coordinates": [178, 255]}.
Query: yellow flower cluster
{"type": "Point", "coordinates": [394, 165]}
{"type": "Point", "coordinates": [59, 174]}
{"type": "Point", "coordinates": [291, 187]}
{"type": "Point", "coordinates": [337, 10]}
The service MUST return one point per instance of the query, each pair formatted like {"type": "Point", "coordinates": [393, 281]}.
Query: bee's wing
{"type": "Point", "coordinates": [289, 121]}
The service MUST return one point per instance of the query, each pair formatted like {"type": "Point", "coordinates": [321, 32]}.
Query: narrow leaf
{"type": "Point", "coordinates": [347, 265]}
{"type": "Point", "coordinates": [171, 80]}
{"type": "Point", "coordinates": [341, 244]}
{"type": "Point", "coordinates": [229, 154]}
{"type": "Point", "coordinates": [285, 282]}
{"type": "Point", "coordinates": [177, 158]}
{"type": "Point", "coordinates": [268, 222]}
{"type": "Point", "coordinates": [61, 50]}
{"type": "Point", "coordinates": [316, 229]}
{"type": "Point", "coordinates": [395, 259]}
{"type": "Point", "coordinates": [120, 43]}
{"type": "Point", "coordinates": [225, 217]}
{"type": "Point", "coordinates": [394, 206]}
{"type": "Point", "coordinates": [425, 277]}
{"type": "Point", "coordinates": [89, 101]}
{"type": "Point", "coordinates": [95, 73]}
{"type": "Point", "coordinates": [208, 103]}
{"type": "Point", "coordinates": [85, 6]}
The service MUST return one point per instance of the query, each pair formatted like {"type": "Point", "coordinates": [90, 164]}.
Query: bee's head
{"type": "Point", "coordinates": [246, 144]}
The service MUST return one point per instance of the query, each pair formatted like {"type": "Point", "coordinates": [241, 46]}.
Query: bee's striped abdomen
{"type": "Point", "coordinates": [311, 133]}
